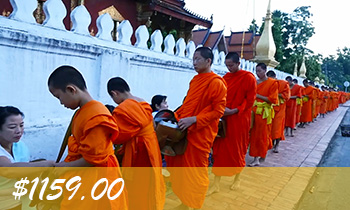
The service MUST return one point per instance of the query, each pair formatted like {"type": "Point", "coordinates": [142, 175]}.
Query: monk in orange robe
{"type": "Point", "coordinates": [229, 152]}
{"type": "Point", "coordinates": [316, 103]}
{"type": "Point", "coordinates": [332, 100]}
{"type": "Point", "coordinates": [146, 188]}
{"type": "Point", "coordinates": [200, 113]}
{"type": "Point", "coordinates": [306, 112]}
{"type": "Point", "coordinates": [291, 107]}
{"type": "Point", "coordinates": [323, 107]}
{"type": "Point", "coordinates": [299, 101]}
{"type": "Point", "coordinates": [260, 134]}
{"type": "Point", "coordinates": [91, 142]}
{"type": "Point", "coordinates": [278, 122]}
{"type": "Point", "coordinates": [319, 100]}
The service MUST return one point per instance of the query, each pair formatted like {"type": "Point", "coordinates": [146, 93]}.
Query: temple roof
{"type": "Point", "coordinates": [176, 8]}
{"type": "Point", "coordinates": [210, 39]}
{"type": "Point", "coordinates": [234, 43]}
{"type": "Point", "coordinates": [236, 38]}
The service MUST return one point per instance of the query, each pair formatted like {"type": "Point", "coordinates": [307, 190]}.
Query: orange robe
{"type": "Point", "coordinates": [278, 122]}
{"type": "Point", "coordinates": [319, 101]}
{"type": "Point", "coordinates": [231, 150]}
{"type": "Point", "coordinates": [329, 102]}
{"type": "Point", "coordinates": [306, 111]}
{"type": "Point", "coordinates": [93, 131]}
{"type": "Point", "coordinates": [291, 109]}
{"type": "Point", "coordinates": [316, 103]}
{"type": "Point", "coordinates": [206, 99]}
{"type": "Point", "coordinates": [323, 107]}
{"type": "Point", "coordinates": [146, 188]}
{"type": "Point", "coordinates": [260, 134]}
{"type": "Point", "coordinates": [300, 103]}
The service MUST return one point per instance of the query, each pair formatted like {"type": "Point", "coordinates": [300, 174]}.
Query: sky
{"type": "Point", "coordinates": [330, 18]}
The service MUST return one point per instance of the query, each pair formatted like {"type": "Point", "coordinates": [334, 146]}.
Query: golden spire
{"type": "Point", "coordinates": [295, 69]}
{"type": "Point", "coordinates": [302, 70]}
{"type": "Point", "coordinates": [266, 48]}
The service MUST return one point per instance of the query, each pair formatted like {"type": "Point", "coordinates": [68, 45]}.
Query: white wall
{"type": "Point", "coordinates": [29, 52]}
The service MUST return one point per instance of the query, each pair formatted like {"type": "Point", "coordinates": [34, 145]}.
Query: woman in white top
{"type": "Point", "coordinates": [13, 153]}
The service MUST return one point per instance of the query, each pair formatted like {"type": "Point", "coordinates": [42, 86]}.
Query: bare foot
{"type": "Point", "coordinates": [236, 185]}
{"type": "Point", "coordinates": [256, 162]}
{"type": "Point", "coordinates": [214, 189]}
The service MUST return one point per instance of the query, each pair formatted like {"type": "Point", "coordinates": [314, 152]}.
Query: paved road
{"type": "Point", "coordinates": [280, 182]}
{"type": "Point", "coordinates": [330, 185]}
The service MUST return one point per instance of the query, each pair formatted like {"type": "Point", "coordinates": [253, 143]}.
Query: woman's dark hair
{"type": "Point", "coordinates": [6, 111]}
{"type": "Point", "coordinates": [157, 100]}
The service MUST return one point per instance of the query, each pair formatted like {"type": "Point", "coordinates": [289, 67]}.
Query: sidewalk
{"type": "Point", "coordinates": [281, 180]}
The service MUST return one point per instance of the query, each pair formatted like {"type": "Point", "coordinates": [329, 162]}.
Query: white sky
{"type": "Point", "coordinates": [330, 18]}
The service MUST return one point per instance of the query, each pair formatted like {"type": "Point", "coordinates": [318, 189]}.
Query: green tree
{"type": "Point", "coordinates": [253, 27]}
{"type": "Point", "coordinates": [337, 68]}
{"type": "Point", "coordinates": [291, 33]}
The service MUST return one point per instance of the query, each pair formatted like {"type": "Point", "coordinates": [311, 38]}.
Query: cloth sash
{"type": "Point", "coordinates": [305, 99]}
{"type": "Point", "coordinates": [266, 110]}
{"type": "Point", "coordinates": [299, 100]}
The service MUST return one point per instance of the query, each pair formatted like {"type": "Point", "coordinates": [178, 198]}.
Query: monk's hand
{"type": "Point", "coordinates": [184, 123]}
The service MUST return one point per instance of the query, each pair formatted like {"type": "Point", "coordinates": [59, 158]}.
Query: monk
{"type": "Point", "coordinates": [325, 96]}
{"type": "Point", "coordinates": [299, 101]}
{"type": "Point", "coordinates": [278, 122]}
{"type": "Point", "coordinates": [318, 100]}
{"type": "Point", "coordinates": [315, 103]}
{"type": "Point", "coordinates": [307, 110]}
{"type": "Point", "coordinates": [146, 188]}
{"type": "Point", "coordinates": [229, 152]}
{"type": "Point", "coordinates": [200, 112]}
{"type": "Point", "coordinates": [91, 142]}
{"type": "Point", "coordinates": [291, 108]}
{"type": "Point", "coordinates": [260, 134]}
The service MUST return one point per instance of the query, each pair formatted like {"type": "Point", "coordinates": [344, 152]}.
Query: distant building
{"type": "Point", "coordinates": [232, 43]}
{"type": "Point", "coordinates": [206, 38]}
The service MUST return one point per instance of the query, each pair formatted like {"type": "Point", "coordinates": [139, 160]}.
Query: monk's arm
{"type": "Point", "coordinates": [229, 111]}
{"type": "Point", "coordinates": [127, 129]}
{"type": "Point", "coordinates": [95, 147]}
{"type": "Point", "coordinates": [217, 90]}
{"type": "Point", "coordinates": [264, 98]}
{"type": "Point", "coordinates": [286, 93]}
{"type": "Point", "coordinates": [250, 88]}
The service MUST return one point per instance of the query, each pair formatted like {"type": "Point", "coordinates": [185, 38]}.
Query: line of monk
{"type": "Point", "coordinates": [256, 112]}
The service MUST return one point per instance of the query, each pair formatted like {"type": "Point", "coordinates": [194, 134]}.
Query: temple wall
{"type": "Point", "coordinates": [30, 52]}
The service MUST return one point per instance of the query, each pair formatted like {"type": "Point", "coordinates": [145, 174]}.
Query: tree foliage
{"type": "Point", "coordinates": [291, 33]}
{"type": "Point", "coordinates": [337, 68]}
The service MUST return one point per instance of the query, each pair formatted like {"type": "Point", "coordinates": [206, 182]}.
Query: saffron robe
{"type": "Point", "coordinates": [93, 132]}
{"type": "Point", "coordinates": [299, 103]}
{"type": "Point", "coordinates": [319, 101]}
{"type": "Point", "coordinates": [316, 103]}
{"type": "Point", "coordinates": [206, 99]}
{"type": "Point", "coordinates": [260, 134]}
{"type": "Point", "coordinates": [306, 111]}
{"type": "Point", "coordinates": [278, 122]}
{"type": "Point", "coordinates": [291, 108]}
{"type": "Point", "coordinates": [230, 151]}
{"type": "Point", "coordinates": [145, 185]}
{"type": "Point", "coordinates": [323, 106]}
